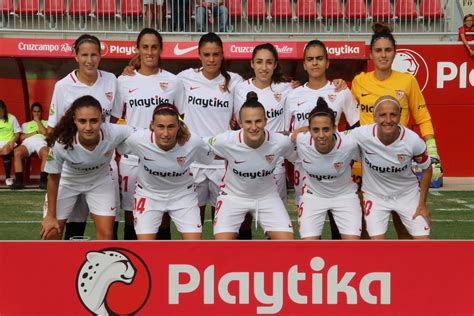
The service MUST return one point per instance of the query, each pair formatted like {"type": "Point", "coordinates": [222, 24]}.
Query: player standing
{"type": "Point", "coordinates": [387, 151]}
{"type": "Point", "coordinates": [138, 95]}
{"type": "Point", "coordinates": [87, 79]}
{"type": "Point", "coordinates": [326, 157]}
{"type": "Point", "coordinates": [164, 181]}
{"type": "Point", "coordinates": [78, 164]}
{"type": "Point", "coordinates": [301, 100]}
{"type": "Point", "coordinates": [251, 155]}
{"type": "Point", "coordinates": [208, 107]}
{"type": "Point", "coordinates": [368, 87]}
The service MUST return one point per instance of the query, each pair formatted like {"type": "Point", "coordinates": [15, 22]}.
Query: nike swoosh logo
{"type": "Point", "coordinates": [369, 153]}
{"type": "Point", "coordinates": [299, 103]}
{"type": "Point", "coordinates": [148, 159]}
{"type": "Point", "coordinates": [237, 162]}
{"type": "Point", "coordinates": [132, 90]}
{"type": "Point", "coordinates": [178, 51]}
{"type": "Point", "coordinates": [76, 163]}
{"type": "Point", "coordinates": [305, 161]}
{"type": "Point", "coordinates": [193, 88]}
{"type": "Point", "coordinates": [364, 94]}
{"type": "Point", "coordinates": [427, 228]}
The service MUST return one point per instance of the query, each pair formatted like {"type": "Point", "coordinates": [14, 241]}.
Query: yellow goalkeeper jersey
{"type": "Point", "coordinates": [404, 87]}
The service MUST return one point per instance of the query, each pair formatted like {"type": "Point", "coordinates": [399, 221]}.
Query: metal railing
{"type": "Point", "coordinates": [234, 16]}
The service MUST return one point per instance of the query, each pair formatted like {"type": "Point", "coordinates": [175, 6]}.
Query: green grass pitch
{"type": "Point", "coordinates": [452, 214]}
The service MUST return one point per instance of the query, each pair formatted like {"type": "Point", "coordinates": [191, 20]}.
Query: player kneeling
{"type": "Point", "coordinates": [164, 181]}
{"type": "Point", "coordinates": [248, 185]}
{"type": "Point", "coordinates": [326, 157]}
{"type": "Point", "coordinates": [387, 151]}
{"type": "Point", "coordinates": [78, 164]}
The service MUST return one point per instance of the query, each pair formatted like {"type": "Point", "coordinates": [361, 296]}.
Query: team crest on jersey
{"type": "Point", "coordinates": [399, 94]}
{"type": "Point", "coordinates": [222, 87]}
{"type": "Point", "coordinates": [277, 96]}
{"type": "Point", "coordinates": [401, 158]}
{"type": "Point", "coordinates": [164, 85]}
{"type": "Point", "coordinates": [332, 97]}
{"type": "Point", "coordinates": [181, 160]}
{"type": "Point", "coordinates": [109, 96]}
{"type": "Point", "coordinates": [338, 166]}
{"type": "Point", "coordinates": [269, 158]}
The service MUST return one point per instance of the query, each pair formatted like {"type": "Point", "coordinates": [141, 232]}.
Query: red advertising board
{"type": "Point", "coordinates": [208, 278]}
{"type": "Point", "coordinates": [60, 48]}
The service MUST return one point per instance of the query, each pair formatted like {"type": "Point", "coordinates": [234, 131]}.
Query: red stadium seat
{"type": "Point", "coordinates": [54, 7]}
{"type": "Point", "coordinates": [281, 9]}
{"type": "Point", "coordinates": [256, 9]}
{"type": "Point", "coordinates": [6, 6]}
{"type": "Point", "coordinates": [405, 9]}
{"type": "Point", "coordinates": [105, 8]}
{"type": "Point", "coordinates": [27, 7]}
{"type": "Point", "coordinates": [306, 9]}
{"type": "Point", "coordinates": [235, 8]}
{"type": "Point", "coordinates": [131, 8]}
{"type": "Point", "coordinates": [381, 10]}
{"type": "Point", "coordinates": [431, 9]}
{"type": "Point", "coordinates": [356, 9]}
{"type": "Point", "coordinates": [331, 9]}
{"type": "Point", "coordinates": [80, 7]}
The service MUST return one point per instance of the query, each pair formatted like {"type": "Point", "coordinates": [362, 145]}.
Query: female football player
{"type": "Point", "coordinates": [389, 184]}
{"type": "Point", "coordinates": [78, 164]}
{"type": "Point", "coordinates": [164, 182]}
{"type": "Point", "coordinates": [9, 135]}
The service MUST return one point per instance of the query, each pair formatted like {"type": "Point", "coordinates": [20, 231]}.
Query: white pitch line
{"type": "Point", "coordinates": [457, 201]}
{"type": "Point", "coordinates": [452, 209]}
{"type": "Point", "coordinates": [436, 193]}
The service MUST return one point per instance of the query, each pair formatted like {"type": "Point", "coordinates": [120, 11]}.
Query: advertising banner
{"type": "Point", "coordinates": [237, 278]}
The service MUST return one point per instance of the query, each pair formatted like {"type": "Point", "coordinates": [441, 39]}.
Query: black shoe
{"type": "Point", "coordinates": [17, 186]}
{"type": "Point", "coordinates": [43, 186]}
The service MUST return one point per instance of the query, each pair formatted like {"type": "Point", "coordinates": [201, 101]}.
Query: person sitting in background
{"type": "Point", "coordinates": [33, 135]}
{"type": "Point", "coordinates": [211, 9]}
{"type": "Point", "coordinates": [180, 14]}
{"type": "Point", "coordinates": [467, 27]}
{"type": "Point", "coordinates": [9, 135]}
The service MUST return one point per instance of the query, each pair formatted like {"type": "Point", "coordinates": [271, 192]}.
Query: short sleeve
{"type": "Point", "coordinates": [117, 106]}
{"type": "Point", "coordinates": [16, 125]}
{"type": "Point", "coordinates": [420, 156]}
{"type": "Point", "coordinates": [54, 162]}
{"type": "Point", "coordinates": [204, 153]}
{"type": "Point", "coordinates": [56, 100]}
{"type": "Point", "coordinates": [350, 108]}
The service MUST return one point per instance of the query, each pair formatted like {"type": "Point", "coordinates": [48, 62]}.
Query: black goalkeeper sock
{"type": "Point", "coordinates": [164, 234]}
{"type": "Point", "coordinates": [19, 177]}
{"type": "Point", "coordinates": [43, 177]}
{"type": "Point", "coordinates": [129, 232]}
{"type": "Point", "coordinates": [74, 229]}
{"type": "Point", "coordinates": [244, 234]}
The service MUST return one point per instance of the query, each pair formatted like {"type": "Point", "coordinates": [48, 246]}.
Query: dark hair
{"type": "Point", "coordinates": [36, 105]}
{"type": "Point", "coordinates": [322, 109]}
{"type": "Point", "coordinates": [169, 109]}
{"type": "Point", "coordinates": [382, 30]}
{"type": "Point", "coordinates": [212, 37]}
{"type": "Point", "coordinates": [467, 16]}
{"type": "Point", "coordinates": [86, 38]}
{"type": "Point", "coordinates": [3, 106]}
{"type": "Point", "coordinates": [277, 76]}
{"type": "Point", "coordinates": [136, 60]}
{"type": "Point", "coordinates": [66, 128]}
{"type": "Point", "coordinates": [316, 43]}
{"type": "Point", "coordinates": [252, 103]}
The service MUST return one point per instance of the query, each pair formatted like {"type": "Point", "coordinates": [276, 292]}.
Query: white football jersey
{"type": "Point", "coordinates": [68, 89]}
{"type": "Point", "coordinates": [302, 100]}
{"type": "Point", "coordinates": [249, 171]}
{"type": "Point", "coordinates": [82, 166]}
{"type": "Point", "coordinates": [272, 98]}
{"type": "Point", "coordinates": [165, 174]}
{"type": "Point", "coordinates": [328, 175]}
{"type": "Point", "coordinates": [139, 95]}
{"type": "Point", "coordinates": [387, 170]}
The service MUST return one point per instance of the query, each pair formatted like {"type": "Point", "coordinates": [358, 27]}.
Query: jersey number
{"type": "Point", "coordinates": [300, 209]}
{"type": "Point", "coordinates": [296, 180]}
{"type": "Point", "coordinates": [139, 206]}
{"type": "Point", "coordinates": [367, 207]}
{"type": "Point", "coordinates": [124, 183]}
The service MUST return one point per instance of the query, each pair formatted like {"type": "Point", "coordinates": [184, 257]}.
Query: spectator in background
{"type": "Point", "coordinates": [153, 8]}
{"type": "Point", "coordinates": [9, 135]}
{"type": "Point", "coordinates": [33, 135]}
{"type": "Point", "coordinates": [180, 14]}
{"type": "Point", "coordinates": [468, 26]}
{"type": "Point", "coordinates": [211, 10]}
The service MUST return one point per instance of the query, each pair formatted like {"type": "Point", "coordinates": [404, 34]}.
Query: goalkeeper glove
{"type": "Point", "coordinates": [435, 163]}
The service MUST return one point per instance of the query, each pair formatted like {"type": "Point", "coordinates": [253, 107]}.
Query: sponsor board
{"type": "Point", "coordinates": [239, 278]}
